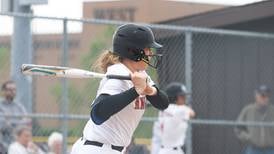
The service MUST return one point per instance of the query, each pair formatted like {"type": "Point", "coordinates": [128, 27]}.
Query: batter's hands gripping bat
{"type": "Point", "coordinates": [65, 72]}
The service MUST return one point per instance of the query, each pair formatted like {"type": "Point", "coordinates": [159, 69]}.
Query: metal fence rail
{"type": "Point", "coordinates": [144, 119]}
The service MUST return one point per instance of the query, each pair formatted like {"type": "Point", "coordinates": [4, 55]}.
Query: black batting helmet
{"type": "Point", "coordinates": [130, 40]}
{"type": "Point", "coordinates": [175, 89]}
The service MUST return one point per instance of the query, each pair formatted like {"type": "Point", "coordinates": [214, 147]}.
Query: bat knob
{"type": "Point", "coordinates": [23, 67]}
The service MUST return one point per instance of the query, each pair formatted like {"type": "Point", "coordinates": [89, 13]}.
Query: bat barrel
{"type": "Point", "coordinates": [66, 72]}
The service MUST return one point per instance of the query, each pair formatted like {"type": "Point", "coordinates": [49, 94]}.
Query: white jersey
{"type": "Point", "coordinates": [174, 125]}
{"type": "Point", "coordinates": [119, 128]}
{"type": "Point", "coordinates": [17, 148]}
{"type": "Point", "coordinates": [156, 138]}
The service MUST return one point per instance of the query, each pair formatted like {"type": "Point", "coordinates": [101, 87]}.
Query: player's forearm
{"type": "Point", "coordinates": [108, 105]}
{"type": "Point", "coordinates": [192, 114]}
{"type": "Point", "coordinates": [159, 100]}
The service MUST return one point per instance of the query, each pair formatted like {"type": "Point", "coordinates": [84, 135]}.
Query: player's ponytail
{"type": "Point", "coordinates": [105, 60]}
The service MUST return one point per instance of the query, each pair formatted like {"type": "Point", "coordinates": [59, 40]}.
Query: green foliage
{"type": "Point", "coordinates": [95, 49]}
{"type": "Point", "coordinates": [4, 59]}
{"type": "Point", "coordinates": [56, 91]}
{"type": "Point", "coordinates": [98, 45]}
{"type": "Point", "coordinates": [101, 43]}
{"type": "Point", "coordinates": [77, 131]}
{"type": "Point", "coordinates": [40, 131]}
{"type": "Point", "coordinates": [3, 55]}
{"type": "Point", "coordinates": [79, 96]}
{"type": "Point", "coordinates": [144, 130]}
{"type": "Point", "coordinates": [74, 95]}
{"type": "Point", "coordinates": [72, 131]}
{"type": "Point", "coordinates": [153, 74]}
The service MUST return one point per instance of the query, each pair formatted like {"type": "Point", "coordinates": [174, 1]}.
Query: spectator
{"type": "Point", "coordinates": [173, 120]}
{"type": "Point", "coordinates": [55, 141]}
{"type": "Point", "coordinates": [134, 148]}
{"type": "Point", "coordinates": [259, 139]}
{"type": "Point", "coordinates": [8, 107]}
{"type": "Point", "coordinates": [23, 143]}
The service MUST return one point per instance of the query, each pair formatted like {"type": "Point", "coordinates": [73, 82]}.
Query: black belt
{"type": "Point", "coordinates": [98, 144]}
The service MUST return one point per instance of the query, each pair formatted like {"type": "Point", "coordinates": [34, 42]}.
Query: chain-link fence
{"type": "Point", "coordinates": [220, 68]}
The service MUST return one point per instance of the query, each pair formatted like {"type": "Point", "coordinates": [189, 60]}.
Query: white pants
{"type": "Point", "coordinates": [171, 151]}
{"type": "Point", "coordinates": [79, 148]}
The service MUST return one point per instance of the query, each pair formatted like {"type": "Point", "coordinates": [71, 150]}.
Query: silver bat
{"type": "Point", "coordinates": [65, 72]}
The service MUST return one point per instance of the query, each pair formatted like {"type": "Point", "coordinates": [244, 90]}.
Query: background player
{"type": "Point", "coordinates": [120, 104]}
{"type": "Point", "coordinates": [173, 120]}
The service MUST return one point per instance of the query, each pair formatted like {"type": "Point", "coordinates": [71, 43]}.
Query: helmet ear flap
{"type": "Point", "coordinates": [137, 54]}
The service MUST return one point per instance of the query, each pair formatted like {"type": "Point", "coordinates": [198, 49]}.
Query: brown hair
{"type": "Point", "coordinates": [4, 85]}
{"type": "Point", "coordinates": [105, 60]}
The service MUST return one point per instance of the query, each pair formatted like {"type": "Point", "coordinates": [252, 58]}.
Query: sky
{"type": "Point", "coordinates": [73, 9]}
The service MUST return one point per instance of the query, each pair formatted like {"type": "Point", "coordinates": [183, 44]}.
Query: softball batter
{"type": "Point", "coordinates": [120, 104]}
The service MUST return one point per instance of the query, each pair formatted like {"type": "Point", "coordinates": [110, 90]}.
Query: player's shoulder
{"type": "Point", "coordinates": [18, 106]}
{"type": "Point", "coordinates": [183, 108]}
{"type": "Point", "coordinates": [118, 68]}
{"type": "Point", "coordinates": [171, 107]}
{"type": "Point", "coordinates": [249, 108]}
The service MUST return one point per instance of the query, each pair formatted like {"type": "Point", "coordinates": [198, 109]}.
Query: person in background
{"type": "Point", "coordinates": [23, 143]}
{"type": "Point", "coordinates": [173, 120]}
{"type": "Point", "coordinates": [55, 141]}
{"type": "Point", "coordinates": [259, 139]}
{"type": "Point", "coordinates": [8, 106]}
{"type": "Point", "coordinates": [156, 137]}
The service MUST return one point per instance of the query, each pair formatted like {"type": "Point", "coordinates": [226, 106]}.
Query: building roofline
{"type": "Point", "coordinates": [233, 14]}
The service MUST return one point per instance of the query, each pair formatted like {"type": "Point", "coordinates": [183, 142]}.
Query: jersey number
{"type": "Point", "coordinates": [140, 103]}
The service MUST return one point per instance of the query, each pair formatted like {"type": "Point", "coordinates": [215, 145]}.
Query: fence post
{"type": "Point", "coordinates": [21, 52]}
{"type": "Point", "coordinates": [188, 78]}
{"type": "Point", "coordinates": [65, 100]}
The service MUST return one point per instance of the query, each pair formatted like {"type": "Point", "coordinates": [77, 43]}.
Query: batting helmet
{"type": "Point", "coordinates": [130, 40]}
{"type": "Point", "coordinates": [175, 89]}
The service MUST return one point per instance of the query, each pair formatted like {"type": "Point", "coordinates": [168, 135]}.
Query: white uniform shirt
{"type": "Point", "coordinates": [174, 125]}
{"type": "Point", "coordinates": [119, 128]}
{"type": "Point", "coordinates": [156, 138]}
{"type": "Point", "coordinates": [17, 148]}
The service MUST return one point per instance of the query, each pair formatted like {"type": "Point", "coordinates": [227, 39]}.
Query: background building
{"type": "Point", "coordinates": [233, 18]}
